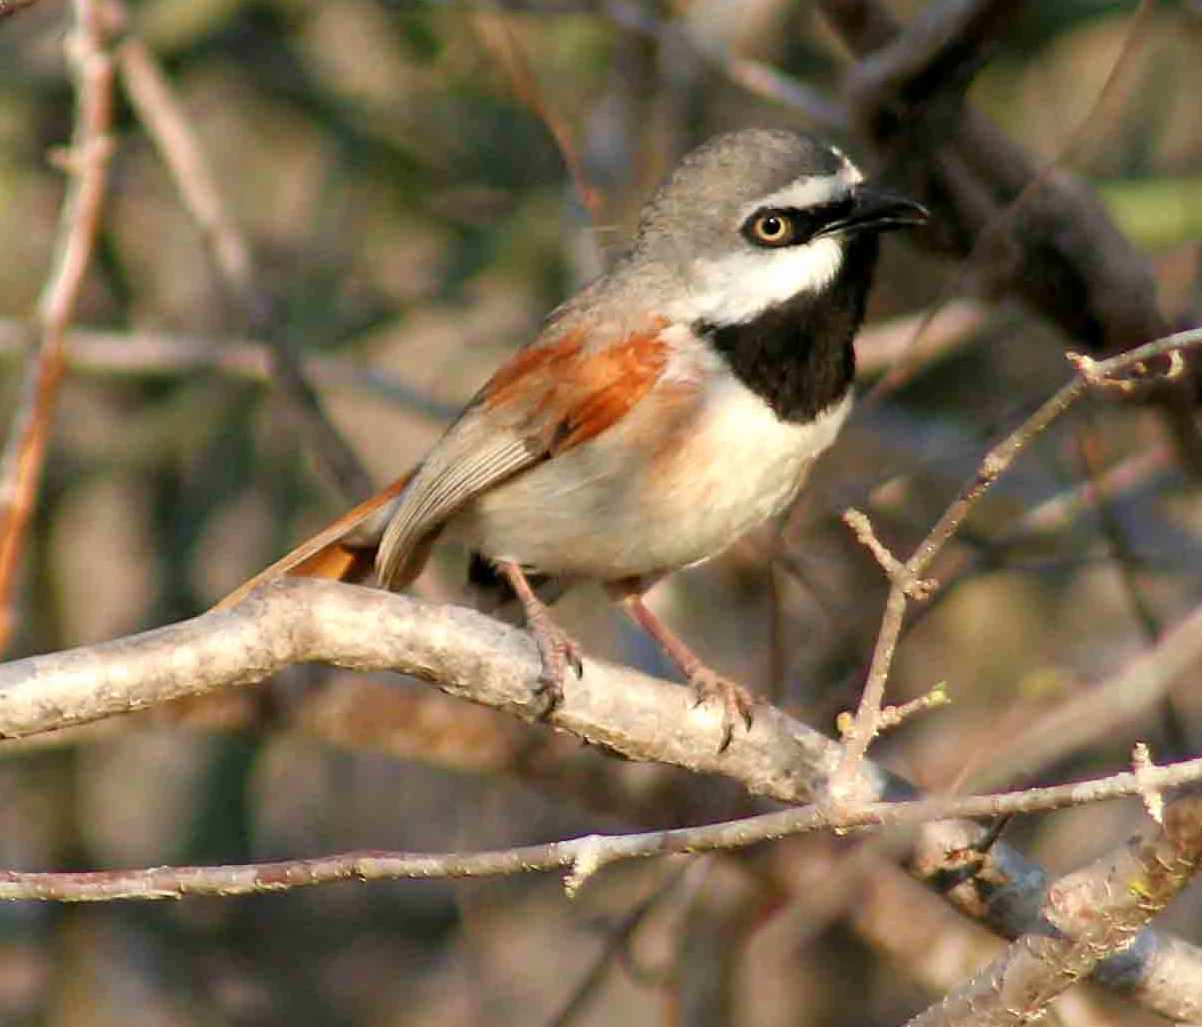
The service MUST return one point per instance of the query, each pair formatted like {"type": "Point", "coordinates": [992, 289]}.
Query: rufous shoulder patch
{"type": "Point", "coordinates": [570, 394]}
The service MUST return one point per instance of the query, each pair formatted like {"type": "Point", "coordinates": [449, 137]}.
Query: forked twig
{"type": "Point", "coordinates": [1091, 374]}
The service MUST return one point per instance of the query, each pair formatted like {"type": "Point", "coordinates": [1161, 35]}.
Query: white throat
{"type": "Point", "coordinates": [742, 285]}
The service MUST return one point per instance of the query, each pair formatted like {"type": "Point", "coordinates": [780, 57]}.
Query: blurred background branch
{"type": "Point", "coordinates": [10, 7]}
{"type": "Point", "coordinates": [87, 164]}
{"type": "Point", "coordinates": [167, 124]}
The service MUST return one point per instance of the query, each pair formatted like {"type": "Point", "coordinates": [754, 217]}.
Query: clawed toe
{"type": "Point", "coordinates": [735, 699]}
{"type": "Point", "coordinates": [550, 687]}
{"type": "Point", "coordinates": [574, 655]}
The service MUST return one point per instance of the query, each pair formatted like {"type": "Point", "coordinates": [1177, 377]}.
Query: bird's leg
{"type": "Point", "coordinates": [736, 700]}
{"type": "Point", "coordinates": [556, 648]}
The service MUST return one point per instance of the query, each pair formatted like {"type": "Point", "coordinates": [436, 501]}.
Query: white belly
{"type": "Point", "coordinates": [589, 512]}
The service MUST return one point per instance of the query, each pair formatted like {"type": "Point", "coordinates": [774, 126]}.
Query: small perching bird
{"type": "Point", "coordinates": [667, 409]}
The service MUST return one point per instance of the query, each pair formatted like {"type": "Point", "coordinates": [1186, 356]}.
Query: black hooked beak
{"type": "Point", "coordinates": [878, 210]}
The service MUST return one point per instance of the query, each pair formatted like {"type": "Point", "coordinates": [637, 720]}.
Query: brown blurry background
{"type": "Point", "coordinates": [411, 218]}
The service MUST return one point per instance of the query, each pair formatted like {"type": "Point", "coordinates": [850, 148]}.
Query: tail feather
{"type": "Point", "coordinates": [327, 554]}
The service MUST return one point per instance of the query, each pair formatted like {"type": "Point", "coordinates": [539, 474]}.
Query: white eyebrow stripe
{"type": "Point", "coordinates": [810, 191]}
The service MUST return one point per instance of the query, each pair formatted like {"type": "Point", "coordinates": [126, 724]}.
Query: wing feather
{"type": "Point", "coordinates": [546, 400]}
{"type": "Point", "coordinates": [461, 465]}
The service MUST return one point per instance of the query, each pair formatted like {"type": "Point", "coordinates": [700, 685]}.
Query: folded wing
{"type": "Point", "coordinates": [547, 399]}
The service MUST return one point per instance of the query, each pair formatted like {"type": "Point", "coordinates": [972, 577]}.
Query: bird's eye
{"type": "Point", "coordinates": [771, 228]}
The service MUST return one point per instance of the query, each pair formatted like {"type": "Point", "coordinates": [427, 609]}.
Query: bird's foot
{"type": "Point", "coordinates": [735, 699]}
{"type": "Point", "coordinates": [557, 650]}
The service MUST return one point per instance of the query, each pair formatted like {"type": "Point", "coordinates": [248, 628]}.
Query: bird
{"type": "Point", "coordinates": [672, 405]}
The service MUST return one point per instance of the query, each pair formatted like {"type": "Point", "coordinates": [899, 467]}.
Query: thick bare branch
{"type": "Point", "coordinates": [465, 653]}
{"type": "Point", "coordinates": [472, 656]}
{"type": "Point", "coordinates": [582, 857]}
{"type": "Point", "coordinates": [461, 651]}
{"type": "Point", "coordinates": [1087, 915]}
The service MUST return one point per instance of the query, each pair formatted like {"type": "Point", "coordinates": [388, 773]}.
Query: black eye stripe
{"type": "Point", "coordinates": [803, 222]}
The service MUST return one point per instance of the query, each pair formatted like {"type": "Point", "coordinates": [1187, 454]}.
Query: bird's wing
{"type": "Point", "coordinates": [544, 401]}
{"type": "Point", "coordinates": [548, 398]}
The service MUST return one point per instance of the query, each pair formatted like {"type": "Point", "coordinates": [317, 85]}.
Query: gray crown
{"type": "Point", "coordinates": [703, 197]}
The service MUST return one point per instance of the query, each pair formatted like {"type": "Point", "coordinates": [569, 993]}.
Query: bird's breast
{"type": "Point", "coordinates": [693, 467]}
{"type": "Point", "coordinates": [738, 466]}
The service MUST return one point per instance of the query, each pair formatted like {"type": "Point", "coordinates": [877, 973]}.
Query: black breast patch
{"type": "Point", "coordinates": [798, 356]}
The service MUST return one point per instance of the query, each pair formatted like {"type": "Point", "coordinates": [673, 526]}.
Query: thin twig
{"type": "Point", "coordinates": [896, 571]}
{"type": "Point", "coordinates": [950, 35]}
{"type": "Point", "coordinates": [582, 857]}
{"type": "Point", "coordinates": [87, 162]}
{"type": "Point", "coordinates": [166, 122]}
{"type": "Point", "coordinates": [1099, 710]}
{"type": "Point", "coordinates": [619, 941]}
{"type": "Point", "coordinates": [866, 724]}
{"type": "Point", "coordinates": [894, 349]}
{"type": "Point", "coordinates": [1058, 512]}
{"type": "Point", "coordinates": [1125, 559]}
{"type": "Point", "coordinates": [932, 699]}
{"type": "Point", "coordinates": [755, 77]}
{"type": "Point", "coordinates": [1116, 540]}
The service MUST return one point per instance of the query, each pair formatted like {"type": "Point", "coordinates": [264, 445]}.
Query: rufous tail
{"type": "Point", "coordinates": [326, 554]}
